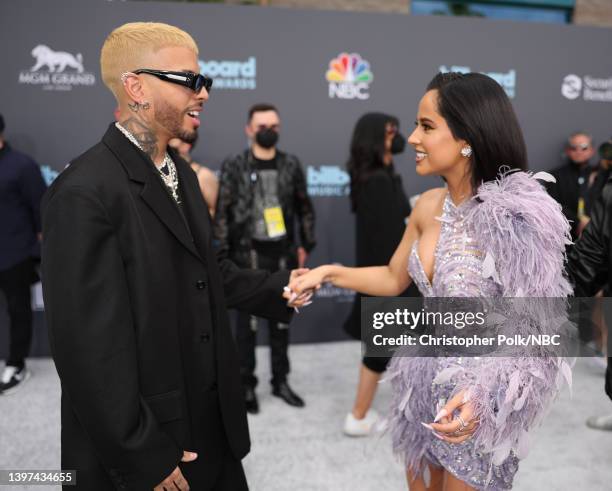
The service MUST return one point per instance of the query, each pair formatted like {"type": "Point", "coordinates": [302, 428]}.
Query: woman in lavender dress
{"type": "Point", "coordinates": [464, 423]}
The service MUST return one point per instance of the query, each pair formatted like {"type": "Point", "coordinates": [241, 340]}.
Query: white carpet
{"type": "Point", "coordinates": [304, 449]}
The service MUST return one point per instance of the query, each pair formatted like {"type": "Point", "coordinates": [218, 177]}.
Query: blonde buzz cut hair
{"type": "Point", "coordinates": [127, 46]}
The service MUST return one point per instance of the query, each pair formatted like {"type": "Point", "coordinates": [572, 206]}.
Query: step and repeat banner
{"type": "Point", "coordinates": [322, 69]}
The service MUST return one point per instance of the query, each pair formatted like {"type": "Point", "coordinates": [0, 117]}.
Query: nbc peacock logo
{"type": "Point", "coordinates": [349, 77]}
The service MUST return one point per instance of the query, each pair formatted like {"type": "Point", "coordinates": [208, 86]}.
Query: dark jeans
{"type": "Point", "coordinates": [246, 333]}
{"type": "Point", "coordinates": [15, 283]}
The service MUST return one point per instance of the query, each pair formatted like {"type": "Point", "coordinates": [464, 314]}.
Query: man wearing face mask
{"type": "Point", "coordinates": [262, 195]}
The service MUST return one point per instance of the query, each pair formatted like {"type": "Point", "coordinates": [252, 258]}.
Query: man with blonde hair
{"type": "Point", "coordinates": [135, 297]}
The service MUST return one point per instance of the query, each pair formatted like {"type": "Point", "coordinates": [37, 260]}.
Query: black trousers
{"type": "Point", "coordinates": [216, 468]}
{"type": "Point", "coordinates": [15, 283]}
{"type": "Point", "coordinates": [246, 332]}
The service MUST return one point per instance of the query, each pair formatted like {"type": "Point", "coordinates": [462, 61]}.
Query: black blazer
{"type": "Point", "coordinates": [136, 308]}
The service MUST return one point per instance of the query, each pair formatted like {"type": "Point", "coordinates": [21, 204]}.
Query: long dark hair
{"type": "Point", "coordinates": [477, 110]}
{"type": "Point", "coordinates": [367, 150]}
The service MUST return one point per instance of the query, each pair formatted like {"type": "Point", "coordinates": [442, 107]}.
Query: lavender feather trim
{"type": "Point", "coordinates": [410, 438]}
{"type": "Point", "coordinates": [524, 233]}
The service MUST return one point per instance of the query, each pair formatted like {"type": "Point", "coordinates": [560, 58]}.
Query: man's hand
{"type": "Point", "coordinates": [302, 256]}
{"type": "Point", "coordinates": [176, 481]}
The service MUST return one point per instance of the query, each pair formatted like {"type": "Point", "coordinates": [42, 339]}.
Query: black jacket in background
{"type": "Point", "coordinates": [380, 217]}
{"type": "Point", "coordinates": [380, 220]}
{"type": "Point", "coordinates": [590, 259]}
{"type": "Point", "coordinates": [136, 305]}
{"type": "Point", "coordinates": [567, 191]}
{"type": "Point", "coordinates": [21, 190]}
{"type": "Point", "coordinates": [233, 216]}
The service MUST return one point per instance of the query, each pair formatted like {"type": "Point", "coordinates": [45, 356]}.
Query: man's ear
{"type": "Point", "coordinates": [134, 88]}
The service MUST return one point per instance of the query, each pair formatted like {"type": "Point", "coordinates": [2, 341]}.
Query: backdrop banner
{"type": "Point", "coordinates": [322, 69]}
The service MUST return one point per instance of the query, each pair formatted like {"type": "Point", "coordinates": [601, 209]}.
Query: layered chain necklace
{"type": "Point", "coordinates": [167, 170]}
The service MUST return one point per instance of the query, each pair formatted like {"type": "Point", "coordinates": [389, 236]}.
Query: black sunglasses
{"type": "Point", "coordinates": [193, 81]}
{"type": "Point", "coordinates": [582, 146]}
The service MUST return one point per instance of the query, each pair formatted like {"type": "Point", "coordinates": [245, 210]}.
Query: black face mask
{"type": "Point", "coordinates": [266, 138]}
{"type": "Point", "coordinates": [398, 144]}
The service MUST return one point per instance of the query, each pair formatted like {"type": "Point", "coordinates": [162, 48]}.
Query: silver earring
{"type": "Point", "coordinates": [466, 151]}
{"type": "Point", "coordinates": [145, 105]}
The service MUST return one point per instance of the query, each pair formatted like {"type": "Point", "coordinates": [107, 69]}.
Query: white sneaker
{"type": "Point", "coordinates": [600, 422]}
{"type": "Point", "coordinates": [13, 378]}
{"type": "Point", "coordinates": [598, 364]}
{"type": "Point", "coordinates": [360, 427]}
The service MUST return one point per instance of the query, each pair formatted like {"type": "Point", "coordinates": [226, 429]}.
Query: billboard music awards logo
{"type": "Point", "coordinates": [327, 180]}
{"type": "Point", "coordinates": [506, 79]}
{"type": "Point", "coordinates": [349, 77]}
{"type": "Point", "coordinates": [339, 295]}
{"type": "Point", "coordinates": [56, 70]}
{"type": "Point", "coordinates": [592, 89]}
{"type": "Point", "coordinates": [228, 74]}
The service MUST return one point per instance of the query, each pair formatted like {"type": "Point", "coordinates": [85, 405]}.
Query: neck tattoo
{"type": "Point", "coordinates": [167, 169]}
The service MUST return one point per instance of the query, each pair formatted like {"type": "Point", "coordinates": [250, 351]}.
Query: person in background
{"type": "Point", "coordinates": [573, 180]}
{"type": "Point", "coordinates": [21, 190]}
{"type": "Point", "coordinates": [601, 175]}
{"type": "Point", "coordinates": [598, 325]}
{"type": "Point", "coordinates": [573, 190]}
{"type": "Point", "coordinates": [262, 195]}
{"type": "Point", "coordinates": [209, 184]}
{"type": "Point", "coordinates": [589, 267]}
{"type": "Point", "coordinates": [381, 211]}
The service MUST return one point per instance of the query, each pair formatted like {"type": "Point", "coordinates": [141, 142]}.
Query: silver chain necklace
{"type": "Point", "coordinates": [170, 177]}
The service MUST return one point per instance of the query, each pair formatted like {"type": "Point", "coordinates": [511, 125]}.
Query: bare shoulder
{"type": "Point", "coordinates": [205, 175]}
{"type": "Point", "coordinates": [429, 202]}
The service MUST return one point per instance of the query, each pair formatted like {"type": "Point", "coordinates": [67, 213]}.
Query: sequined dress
{"type": "Point", "coordinates": [507, 241]}
{"type": "Point", "coordinates": [457, 271]}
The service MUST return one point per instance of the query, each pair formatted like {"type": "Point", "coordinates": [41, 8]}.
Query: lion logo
{"type": "Point", "coordinates": [56, 61]}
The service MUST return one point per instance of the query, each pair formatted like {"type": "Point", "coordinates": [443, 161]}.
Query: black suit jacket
{"type": "Point", "coordinates": [136, 308]}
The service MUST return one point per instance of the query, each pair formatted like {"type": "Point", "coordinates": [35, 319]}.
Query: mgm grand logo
{"type": "Point", "coordinates": [56, 70]}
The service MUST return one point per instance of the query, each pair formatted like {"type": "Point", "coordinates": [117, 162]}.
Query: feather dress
{"type": "Point", "coordinates": [507, 241]}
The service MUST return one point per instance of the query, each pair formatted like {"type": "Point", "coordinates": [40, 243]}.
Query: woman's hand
{"type": "Point", "coordinates": [455, 422]}
{"type": "Point", "coordinates": [309, 281]}
{"type": "Point", "coordinates": [293, 299]}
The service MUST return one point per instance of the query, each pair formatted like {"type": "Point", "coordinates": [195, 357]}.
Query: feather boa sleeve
{"type": "Point", "coordinates": [524, 234]}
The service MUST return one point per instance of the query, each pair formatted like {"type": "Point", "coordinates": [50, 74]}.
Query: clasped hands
{"type": "Point", "coordinates": [299, 293]}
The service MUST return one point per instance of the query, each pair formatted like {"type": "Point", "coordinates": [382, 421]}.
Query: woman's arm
{"type": "Point", "coordinates": [389, 280]}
